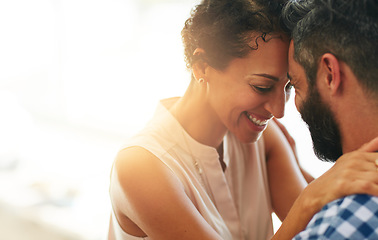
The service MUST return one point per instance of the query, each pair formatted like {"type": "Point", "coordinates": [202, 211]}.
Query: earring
{"type": "Point", "coordinates": [201, 80]}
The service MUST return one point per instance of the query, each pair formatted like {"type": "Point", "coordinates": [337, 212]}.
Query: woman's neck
{"type": "Point", "coordinates": [198, 118]}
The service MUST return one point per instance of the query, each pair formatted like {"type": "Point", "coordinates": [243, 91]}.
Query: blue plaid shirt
{"type": "Point", "coordinates": [351, 217]}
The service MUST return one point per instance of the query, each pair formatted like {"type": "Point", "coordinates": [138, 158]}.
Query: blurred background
{"type": "Point", "coordinates": [77, 78]}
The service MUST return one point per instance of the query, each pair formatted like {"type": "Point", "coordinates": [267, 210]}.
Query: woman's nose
{"type": "Point", "coordinates": [276, 104]}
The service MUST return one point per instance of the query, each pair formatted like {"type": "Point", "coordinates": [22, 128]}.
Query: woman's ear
{"type": "Point", "coordinates": [329, 71]}
{"type": "Point", "coordinates": [200, 65]}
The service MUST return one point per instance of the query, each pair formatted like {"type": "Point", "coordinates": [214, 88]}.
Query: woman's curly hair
{"type": "Point", "coordinates": [223, 29]}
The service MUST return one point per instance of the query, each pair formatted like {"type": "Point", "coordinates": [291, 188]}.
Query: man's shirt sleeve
{"type": "Point", "coordinates": [351, 217]}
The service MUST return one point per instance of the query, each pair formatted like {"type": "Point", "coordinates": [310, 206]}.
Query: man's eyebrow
{"type": "Point", "coordinates": [267, 76]}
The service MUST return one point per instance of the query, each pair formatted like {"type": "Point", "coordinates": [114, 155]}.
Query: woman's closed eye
{"type": "Point", "coordinates": [262, 88]}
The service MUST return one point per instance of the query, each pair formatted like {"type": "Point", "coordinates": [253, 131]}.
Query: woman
{"type": "Point", "coordinates": [212, 164]}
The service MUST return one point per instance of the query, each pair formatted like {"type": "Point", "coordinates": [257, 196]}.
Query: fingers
{"type": "Point", "coordinates": [353, 173]}
{"type": "Point", "coordinates": [358, 159]}
{"type": "Point", "coordinates": [371, 146]}
{"type": "Point", "coordinates": [362, 186]}
{"type": "Point", "coordinates": [356, 173]}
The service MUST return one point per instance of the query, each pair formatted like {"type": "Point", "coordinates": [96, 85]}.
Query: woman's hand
{"type": "Point", "coordinates": [353, 173]}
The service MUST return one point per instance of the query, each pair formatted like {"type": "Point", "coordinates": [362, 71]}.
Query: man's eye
{"type": "Point", "coordinates": [288, 86]}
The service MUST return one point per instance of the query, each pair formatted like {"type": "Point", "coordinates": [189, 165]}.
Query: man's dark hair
{"type": "Point", "coordinates": [348, 29]}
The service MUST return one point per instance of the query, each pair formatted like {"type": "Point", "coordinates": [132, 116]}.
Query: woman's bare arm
{"type": "Point", "coordinates": [151, 200]}
{"type": "Point", "coordinates": [353, 173]}
{"type": "Point", "coordinates": [309, 178]}
{"type": "Point", "coordinates": [285, 179]}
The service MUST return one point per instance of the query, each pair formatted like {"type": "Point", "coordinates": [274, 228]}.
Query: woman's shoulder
{"type": "Point", "coordinates": [137, 176]}
{"type": "Point", "coordinates": [277, 135]}
{"type": "Point", "coordinates": [144, 189]}
{"type": "Point", "coordinates": [137, 164]}
{"type": "Point", "coordinates": [271, 136]}
{"type": "Point", "coordinates": [133, 156]}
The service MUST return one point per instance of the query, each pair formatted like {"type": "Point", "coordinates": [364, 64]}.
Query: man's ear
{"type": "Point", "coordinates": [329, 67]}
{"type": "Point", "coordinates": [200, 65]}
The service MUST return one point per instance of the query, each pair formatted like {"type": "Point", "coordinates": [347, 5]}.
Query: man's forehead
{"type": "Point", "coordinates": [291, 60]}
{"type": "Point", "coordinates": [296, 72]}
{"type": "Point", "coordinates": [292, 63]}
{"type": "Point", "coordinates": [291, 51]}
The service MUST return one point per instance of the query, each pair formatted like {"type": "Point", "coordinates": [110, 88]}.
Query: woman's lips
{"type": "Point", "coordinates": [256, 121]}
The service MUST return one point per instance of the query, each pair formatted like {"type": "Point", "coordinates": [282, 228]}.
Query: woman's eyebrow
{"type": "Point", "coordinates": [267, 76]}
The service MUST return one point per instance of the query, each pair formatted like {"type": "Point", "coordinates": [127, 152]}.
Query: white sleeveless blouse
{"type": "Point", "coordinates": [236, 203]}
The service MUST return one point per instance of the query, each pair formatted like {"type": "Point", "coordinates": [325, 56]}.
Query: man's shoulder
{"type": "Point", "coordinates": [350, 217]}
{"type": "Point", "coordinates": [352, 203]}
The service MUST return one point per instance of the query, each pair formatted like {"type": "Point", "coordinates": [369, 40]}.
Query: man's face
{"type": "Point", "coordinates": [324, 131]}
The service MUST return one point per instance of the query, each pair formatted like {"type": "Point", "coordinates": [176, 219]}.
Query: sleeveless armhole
{"type": "Point", "coordinates": [119, 233]}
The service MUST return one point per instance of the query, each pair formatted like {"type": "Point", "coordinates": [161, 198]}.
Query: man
{"type": "Point", "coordinates": [333, 65]}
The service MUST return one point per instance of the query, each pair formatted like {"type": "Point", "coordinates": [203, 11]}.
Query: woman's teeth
{"type": "Point", "coordinates": [256, 121]}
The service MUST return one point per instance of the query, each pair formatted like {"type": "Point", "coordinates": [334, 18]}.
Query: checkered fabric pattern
{"type": "Point", "coordinates": [352, 217]}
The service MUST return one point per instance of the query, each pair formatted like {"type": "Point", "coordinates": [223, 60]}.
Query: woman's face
{"type": "Point", "coordinates": [251, 90]}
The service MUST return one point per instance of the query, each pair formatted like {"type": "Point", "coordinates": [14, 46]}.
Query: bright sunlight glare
{"type": "Point", "coordinates": [77, 78]}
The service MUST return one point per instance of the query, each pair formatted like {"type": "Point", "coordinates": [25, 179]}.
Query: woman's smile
{"type": "Point", "coordinates": [254, 119]}
{"type": "Point", "coordinates": [255, 123]}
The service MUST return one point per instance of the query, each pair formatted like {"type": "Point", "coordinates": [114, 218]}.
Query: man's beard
{"type": "Point", "coordinates": [324, 130]}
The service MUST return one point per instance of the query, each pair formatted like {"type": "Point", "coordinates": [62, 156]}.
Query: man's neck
{"type": "Point", "coordinates": [356, 112]}
{"type": "Point", "coordinates": [362, 131]}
